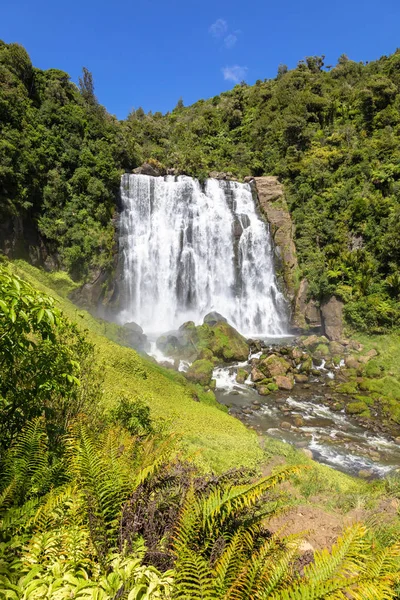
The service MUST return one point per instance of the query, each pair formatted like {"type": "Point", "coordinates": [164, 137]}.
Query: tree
{"type": "Point", "coordinates": [86, 86]}
{"type": "Point", "coordinates": [282, 70]}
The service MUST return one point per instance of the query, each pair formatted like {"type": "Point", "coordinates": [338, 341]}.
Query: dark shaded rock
{"type": "Point", "coordinates": [147, 169]}
{"type": "Point", "coordinates": [306, 311]}
{"type": "Point", "coordinates": [212, 318]}
{"type": "Point", "coordinates": [133, 335]}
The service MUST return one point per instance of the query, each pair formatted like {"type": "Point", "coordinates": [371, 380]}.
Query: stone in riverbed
{"type": "Point", "coordinates": [285, 425]}
{"type": "Point", "coordinates": [351, 362]}
{"type": "Point", "coordinates": [241, 375]}
{"type": "Point", "coordinates": [200, 372]}
{"type": "Point", "coordinates": [365, 473]}
{"type": "Point", "coordinates": [256, 375]}
{"type": "Point", "coordinates": [300, 378]}
{"type": "Point", "coordinates": [263, 390]}
{"type": "Point", "coordinates": [274, 365]}
{"type": "Point", "coordinates": [284, 383]}
{"type": "Point", "coordinates": [298, 420]}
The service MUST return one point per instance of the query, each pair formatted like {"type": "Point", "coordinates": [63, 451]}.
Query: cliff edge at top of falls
{"type": "Point", "coordinates": [273, 204]}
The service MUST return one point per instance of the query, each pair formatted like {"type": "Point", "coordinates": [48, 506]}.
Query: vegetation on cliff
{"type": "Point", "coordinates": [330, 134]}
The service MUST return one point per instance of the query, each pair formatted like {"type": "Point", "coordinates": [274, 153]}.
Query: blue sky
{"type": "Point", "coordinates": [149, 53]}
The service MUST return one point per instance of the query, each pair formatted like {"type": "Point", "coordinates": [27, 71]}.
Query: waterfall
{"type": "Point", "coordinates": [188, 249]}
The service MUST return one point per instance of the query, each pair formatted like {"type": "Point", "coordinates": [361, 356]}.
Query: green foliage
{"type": "Point", "coordinates": [331, 136]}
{"type": "Point", "coordinates": [44, 361]}
{"type": "Point", "coordinates": [133, 415]}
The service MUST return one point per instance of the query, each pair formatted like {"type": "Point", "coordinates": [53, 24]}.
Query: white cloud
{"type": "Point", "coordinates": [230, 40]}
{"type": "Point", "coordinates": [235, 73]}
{"type": "Point", "coordinates": [219, 28]}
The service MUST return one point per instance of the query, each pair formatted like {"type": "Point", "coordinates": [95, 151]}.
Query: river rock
{"type": "Point", "coordinates": [351, 362]}
{"type": "Point", "coordinates": [274, 365]}
{"type": "Point", "coordinates": [212, 318]}
{"type": "Point", "coordinates": [263, 390]}
{"type": "Point", "coordinates": [285, 425]}
{"type": "Point", "coordinates": [298, 420]}
{"type": "Point", "coordinates": [336, 348]}
{"type": "Point", "coordinates": [135, 337]}
{"type": "Point", "coordinates": [310, 341]}
{"type": "Point", "coordinates": [307, 452]}
{"type": "Point", "coordinates": [284, 383]}
{"type": "Point", "coordinates": [300, 378]}
{"type": "Point", "coordinates": [256, 375]}
{"type": "Point", "coordinates": [365, 473]}
{"type": "Point", "coordinates": [241, 375]}
{"type": "Point", "coordinates": [200, 372]}
{"type": "Point", "coordinates": [306, 366]}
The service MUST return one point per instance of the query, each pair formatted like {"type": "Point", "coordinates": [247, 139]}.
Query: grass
{"type": "Point", "coordinates": [216, 440]}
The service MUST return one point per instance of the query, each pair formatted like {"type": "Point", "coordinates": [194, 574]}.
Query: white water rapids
{"type": "Point", "coordinates": [188, 249]}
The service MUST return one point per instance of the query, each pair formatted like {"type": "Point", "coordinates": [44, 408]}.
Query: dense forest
{"type": "Point", "coordinates": [330, 134]}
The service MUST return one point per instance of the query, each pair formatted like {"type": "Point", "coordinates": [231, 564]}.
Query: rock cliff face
{"type": "Point", "coordinates": [306, 314]}
{"type": "Point", "coordinates": [272, 201]}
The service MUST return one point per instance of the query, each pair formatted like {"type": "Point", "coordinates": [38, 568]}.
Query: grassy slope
{"type": "Point", "coordinates": [217, 440]}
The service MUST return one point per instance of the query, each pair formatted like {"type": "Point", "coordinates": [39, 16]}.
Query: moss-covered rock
{"type": "Point", "coordinates": [263, 390]}
{"type": "Point", "coordinates": [284, 383]}
{"type": "Point", "coordinates": [274, 365]}
{"type": "Point", "coordinates": [272, 387]}
{"type": "Point", "coordinates": [348, 387]}
{"type": "Point", "coordinates": [356, 408]}
{"type": "Point", "coordinates": [204, 342]}
{"type": "Point", "coordinates": [322, 350]}
{"type": "Point", "coordinates": [241, 375]}
{"type": "Point", "coordinates": [306, 365]}
{"type": "Point", "coordinates": [227, 343]}
{"type": "Point", "coordinates": [200, 371]}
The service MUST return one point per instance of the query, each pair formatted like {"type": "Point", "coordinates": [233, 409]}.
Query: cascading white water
{"type": "Point", "coordinates": [188, 249]}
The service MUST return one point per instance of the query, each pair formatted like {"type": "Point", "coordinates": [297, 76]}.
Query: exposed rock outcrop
{"type": "Point", "coordinates": [307, 314]}
{"type": "Point", "coordinates": [273, 204]}
{"type": "Point", "coordinates": [332, 318]}
{"type": "Point", "coordinates": [147, 169]}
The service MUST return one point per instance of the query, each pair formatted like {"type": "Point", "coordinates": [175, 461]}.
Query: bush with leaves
{"type": "Point", "coordinates": [45, 362]}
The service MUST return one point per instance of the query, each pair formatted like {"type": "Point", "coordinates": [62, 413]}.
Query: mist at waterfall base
{"type": "Point", "coordinates": [188, 249]}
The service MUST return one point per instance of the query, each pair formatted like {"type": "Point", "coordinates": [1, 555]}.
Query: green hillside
{"type": "Point", "coordinates": [214, 439]}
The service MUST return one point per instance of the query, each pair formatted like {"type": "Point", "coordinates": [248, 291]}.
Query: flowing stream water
{"type": "Point", "coordinates": [188, 249]}
{"type": "Point", "coordinates": [333, 437]}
